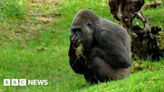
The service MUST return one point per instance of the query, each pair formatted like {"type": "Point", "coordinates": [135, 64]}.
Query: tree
{"type": "Point", "coordinates": [144, 39]}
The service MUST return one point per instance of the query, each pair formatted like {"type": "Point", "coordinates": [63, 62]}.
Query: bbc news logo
{"type": "Point", "coordinates": [24, 82]}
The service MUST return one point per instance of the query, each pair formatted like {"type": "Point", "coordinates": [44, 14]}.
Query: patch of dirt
{"type": "Point", "coordinates": [45, 19]}
{"type": "Point", "coordinates": [40, 12]}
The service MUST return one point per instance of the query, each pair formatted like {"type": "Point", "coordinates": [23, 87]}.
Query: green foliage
{"type": "Point", "coordinates": [36, 47]}
{"type": "Point", "coordinates": [137, 22]}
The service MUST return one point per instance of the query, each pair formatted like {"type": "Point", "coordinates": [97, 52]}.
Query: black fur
{"type": "Point", "coordinates": [107, 52]}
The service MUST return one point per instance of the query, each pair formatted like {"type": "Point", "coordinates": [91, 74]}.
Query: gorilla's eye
{"type": "Point", "coordinates": [89, 24]}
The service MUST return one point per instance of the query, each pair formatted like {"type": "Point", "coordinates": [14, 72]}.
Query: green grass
{"type": "Point", "coordinates": [34, 49]}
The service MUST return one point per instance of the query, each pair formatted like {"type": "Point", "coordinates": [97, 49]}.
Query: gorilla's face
{"type": "Point", "coordinates": [83, 27]}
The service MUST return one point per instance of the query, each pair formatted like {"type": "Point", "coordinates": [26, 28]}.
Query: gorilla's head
{"type": "Point", "coordinates": [83, 26]}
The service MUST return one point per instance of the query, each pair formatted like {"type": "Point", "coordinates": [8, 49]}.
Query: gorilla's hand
{"type": "Point", "coordinates": [74, 41]}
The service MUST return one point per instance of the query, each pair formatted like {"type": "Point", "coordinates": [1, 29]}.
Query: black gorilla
{"type": "Point", "coordinates": [99, 49]}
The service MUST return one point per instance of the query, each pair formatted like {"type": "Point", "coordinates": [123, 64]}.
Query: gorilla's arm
{"type": "Point", "coordinates": [78, 65]}
{"type": "Point", "coordinates": [115, 45]}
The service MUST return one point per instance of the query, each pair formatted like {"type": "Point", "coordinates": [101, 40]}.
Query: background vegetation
{"type": "Point", "coordinates": [34, 43]}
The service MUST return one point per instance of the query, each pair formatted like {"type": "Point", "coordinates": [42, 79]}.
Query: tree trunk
{"type": "Point", "coordinates": [144, 39]}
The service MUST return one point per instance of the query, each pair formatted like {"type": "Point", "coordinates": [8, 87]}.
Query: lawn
{"type": "Point", "coordinates": [34, 43]}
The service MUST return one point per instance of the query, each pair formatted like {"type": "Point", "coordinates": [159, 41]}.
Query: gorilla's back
{"type": "Point", "coordinates": [116, 40]}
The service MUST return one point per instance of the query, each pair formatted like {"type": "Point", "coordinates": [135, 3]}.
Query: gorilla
{"type": "Point", "coordinates": [99, 49]}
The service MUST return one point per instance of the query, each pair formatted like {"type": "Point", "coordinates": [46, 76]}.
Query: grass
{"type": "Point", "coordinates": [34, 43]}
